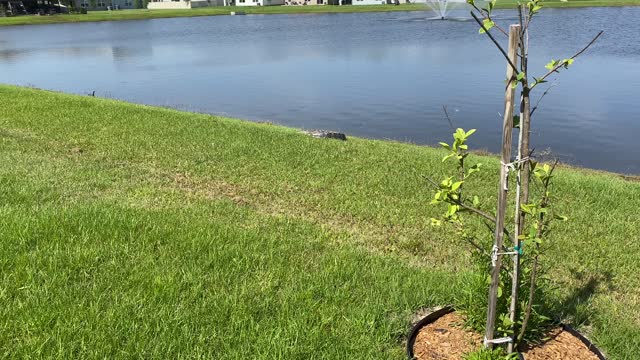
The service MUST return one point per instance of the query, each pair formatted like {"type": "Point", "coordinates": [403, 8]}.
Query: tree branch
{"type": "Point", "coordinates": [544, 202]}
{"type": "Point", "coordinates": [446, 114]}
{"type": "Point", "coordinates": [461, 204]}
{"type": "Point", "coordinates": [474, 210]}
{"type": "Point", "coordinates": [504, 53]}
{"type": "Point", "coordinates": [489, 17]}
{"type": "Point", "coordinates": [561, 64]}
{"type": "Point", "coordinates": [541, 97]}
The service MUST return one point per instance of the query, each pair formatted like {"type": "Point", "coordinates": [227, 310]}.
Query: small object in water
{"type": "Point", "coordinates": [326, 134]}
{"type": "Point", "coordinates": [93, 93]}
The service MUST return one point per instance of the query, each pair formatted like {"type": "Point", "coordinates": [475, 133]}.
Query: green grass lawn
{"type": "Point", "coordinates": [212, 11]}
{"type": "Point", "coordinates": [134, 231]}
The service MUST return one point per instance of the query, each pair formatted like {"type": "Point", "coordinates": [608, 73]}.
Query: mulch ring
{"type": "Point", "coordinates": [560, 345]}
{"type": "Point", "coordinates": [447, 339]}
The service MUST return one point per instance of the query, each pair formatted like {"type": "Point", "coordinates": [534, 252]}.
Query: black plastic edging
{"type": "Point", "coordinates": [584, 340]}
{"type": "Point", "coordinates": [422, 323]}
{"type": "Point", "coordinates": [411, 341]}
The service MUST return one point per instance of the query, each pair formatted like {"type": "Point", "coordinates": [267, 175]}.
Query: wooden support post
{"type": "Point", "coordinates": [507, 131]}
{"type": "Point", "coordinates": [522, 191]}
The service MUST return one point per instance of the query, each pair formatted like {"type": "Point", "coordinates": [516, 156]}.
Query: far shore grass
{"type": "Point", "coordinates": [130, 231]}
{"type": "Point", "coordinates": [140, 14]}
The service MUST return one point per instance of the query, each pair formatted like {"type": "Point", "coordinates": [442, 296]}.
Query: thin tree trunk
{"type": "Point", "coordinates": [532, 288]}
{"type": "Point", "coordinates": [522, 191]}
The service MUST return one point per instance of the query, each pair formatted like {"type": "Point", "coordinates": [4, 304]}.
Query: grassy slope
{"type": "Point", "coordinates": [127, 230]}
{"type": "Point", "coordinates": [211, 11]}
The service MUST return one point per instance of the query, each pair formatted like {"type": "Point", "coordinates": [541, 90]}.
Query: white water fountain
{"type": "Point", "coordinates": [442, 8]}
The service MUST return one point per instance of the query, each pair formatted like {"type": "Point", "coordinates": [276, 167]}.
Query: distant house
{"type": "Point", "coordinates": [11, 7]}
{"type": "Point", "coordinates": [306, 2]}
{"type": "Point", "coordinates": [40, 6]}
{"type": "Point", "coordinates": [369, 2]}
{"type": "Point", "coordinates": [186, 4]}
{"type": "Point", "coordinates": [259, 2]}
{"type": "Point", "coordinates": [104, 4]}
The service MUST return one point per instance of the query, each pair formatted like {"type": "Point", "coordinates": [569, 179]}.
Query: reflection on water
{"type": "Point", "coordinates": [376, 75]}
{"type": "Point", "coordinates": [118, 53]}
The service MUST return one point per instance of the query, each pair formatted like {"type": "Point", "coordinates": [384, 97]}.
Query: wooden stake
{"type": "Point", "coordinates": [522, 191]}
{"type": "Point", "coordinates": [507, 130]}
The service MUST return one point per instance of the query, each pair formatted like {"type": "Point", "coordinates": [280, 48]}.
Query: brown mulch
{"type": "Point", "coordinates": [446, 339]}
{"type": "Point", "coordinates": [561, 345]}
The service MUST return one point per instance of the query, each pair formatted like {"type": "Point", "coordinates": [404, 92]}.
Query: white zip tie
{"type": "Point", "coordinates": [509, 167]}
{"type": "Point", "coordinates": [495, 253]}
{"type": "Point", "coordinates": [512, 165]}
{"type": "Point", "coordinates": [497, 341]}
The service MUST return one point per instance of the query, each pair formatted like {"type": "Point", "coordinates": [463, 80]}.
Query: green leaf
{"type": "Point", "coordinates": [456, 185]}
{"type": "Point", "coordinates": [470, 132]}
{"type": "Point", "coordinates": [506, 321]}
{"type": "Point", "coordinates": [448, 156]}
{"type": "Point", "coordinates": [499, 291]}
{"type": "Point", "coordinates": [445, 145]}
{"type": "Point", "coordinates": [476, 200]}
{"type": "Point", "coordinates": [527, 208]}
{"type": "Point", "coordinates": [474, 168]}
{"type": "Point", "coordinates": [520, 76]}
{"type": "Point", "coordinates": [552, 64]}
{"type": "Point", "coordinates": [566, 62]}
{"type": "Point", "coordinates": [488, 24]}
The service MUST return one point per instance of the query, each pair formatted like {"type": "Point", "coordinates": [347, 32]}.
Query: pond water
{"type": "Point", "coordinates": [378, 75]}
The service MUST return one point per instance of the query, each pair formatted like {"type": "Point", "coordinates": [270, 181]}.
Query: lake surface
{"type": "Point", "coordinates": [384, 75]}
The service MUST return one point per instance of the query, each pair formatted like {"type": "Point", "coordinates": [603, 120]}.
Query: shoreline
{"type": "Point", "coordinates": [480, 152]}
{"type": "Point", "coordinates": [144, 14]}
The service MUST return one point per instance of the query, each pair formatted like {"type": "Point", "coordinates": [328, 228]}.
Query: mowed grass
{"type": "Point", "coordinates": [133, 231]}
{"type": "Point", "coordinates": [140, 14]}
